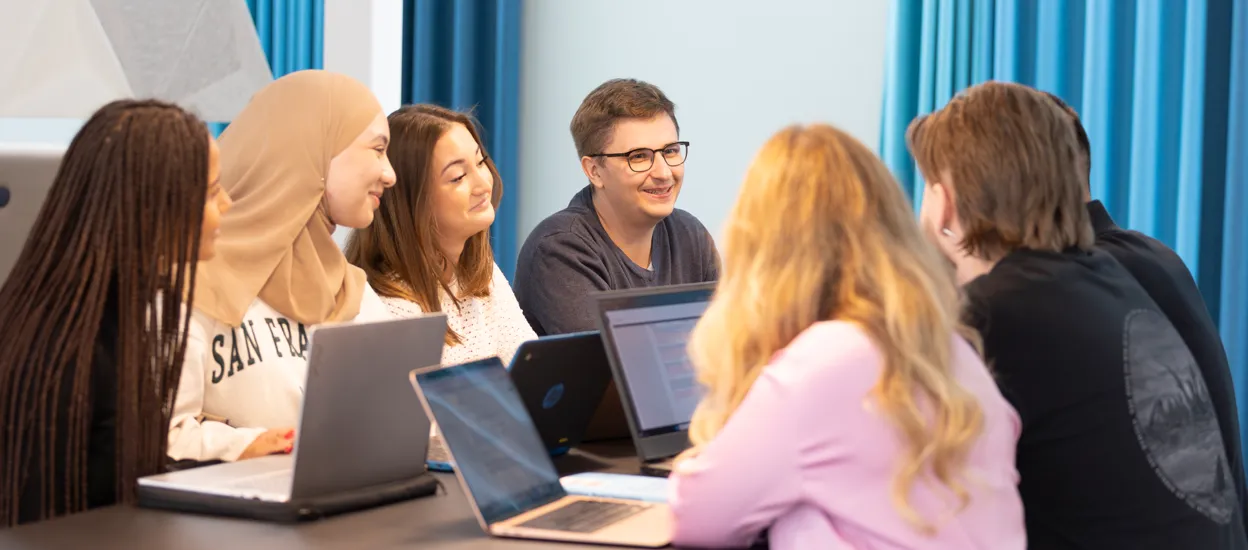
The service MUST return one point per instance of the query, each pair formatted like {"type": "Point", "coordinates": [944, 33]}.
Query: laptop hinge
{"type": "Point", "coordinates": [537, 504]}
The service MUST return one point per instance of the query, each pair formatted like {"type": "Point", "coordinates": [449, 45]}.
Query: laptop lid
{"type": "Point", "coordinates": [561, 380]}
{"type": "Point", "coordinates": [499, 458]}
{"type": "Point", "coordinates": [26, 174]}
{"type": "Point", "coordinates": [645, 332]}
{"type": "Point", "coordinates": [360, 426]}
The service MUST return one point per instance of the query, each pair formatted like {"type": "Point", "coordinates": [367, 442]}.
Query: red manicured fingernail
{"type": "Point", "coordinates": [290, 434]}
{"type": "Point", "coordinates": [289, 448]}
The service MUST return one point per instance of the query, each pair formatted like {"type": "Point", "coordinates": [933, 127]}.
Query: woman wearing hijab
{"type": "Point", "coordinates": [307, 154]}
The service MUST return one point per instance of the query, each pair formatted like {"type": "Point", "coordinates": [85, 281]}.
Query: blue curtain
{"type": "Point", "coordinates": [1234, 318]}
{"type": "Point", "coordinates": [292, 33]}
{"type": "Point", "coordinates": [1162, 88]}
{"type": "Point", "coordinates": [465, 55]}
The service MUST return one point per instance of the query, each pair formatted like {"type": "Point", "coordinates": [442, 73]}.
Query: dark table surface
{"type": "Point", "coordinates": [444, 520]}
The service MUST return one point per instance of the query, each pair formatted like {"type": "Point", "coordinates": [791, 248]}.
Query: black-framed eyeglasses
{"type": "Point", "coordinates": [642, 158]}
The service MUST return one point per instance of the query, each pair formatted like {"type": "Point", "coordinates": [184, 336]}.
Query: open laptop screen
{"type": "Point", "coordinates": [650, 334]}
{"type": "Point", "coordinates": [491, 438]}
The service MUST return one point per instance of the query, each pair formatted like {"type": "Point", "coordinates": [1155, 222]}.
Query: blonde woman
{"type": "Point", "coordinates": [846, 407]}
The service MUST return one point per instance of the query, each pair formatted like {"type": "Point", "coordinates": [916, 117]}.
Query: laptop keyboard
{"type": "Point", "coordinates": [276, 482]}
{"type": "Point", "coordinates": [584, 516]}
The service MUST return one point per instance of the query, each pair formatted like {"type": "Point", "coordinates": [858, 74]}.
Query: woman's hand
{"type": "Point", "coordinates": [279, 441]}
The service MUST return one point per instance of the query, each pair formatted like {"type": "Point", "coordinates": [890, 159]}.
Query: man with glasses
{"type": "Point", "coordinates": [623, 230]}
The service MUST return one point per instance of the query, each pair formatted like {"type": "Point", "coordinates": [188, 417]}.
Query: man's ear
{"type": "Point", "coordinates": [593, 171]}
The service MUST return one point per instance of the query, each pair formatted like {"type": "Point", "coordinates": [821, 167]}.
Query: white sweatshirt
{"type": "Point", "coordinates": [488, 326]}
{"type": "Point", "coordinates": [240, 382]}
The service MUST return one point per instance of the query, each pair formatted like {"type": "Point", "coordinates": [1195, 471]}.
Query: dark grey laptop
{"type": "Point", "coordinates": [562, 380]}
{"type": "Point", "coordinates": [645, 332]}
{"type": "Point", "coordinates": [26, 175]}
{"type": "Point", "coordinates": [361, 440]}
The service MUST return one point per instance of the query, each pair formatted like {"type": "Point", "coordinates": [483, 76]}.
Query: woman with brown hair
{"type": "Point", "coordinates": [92, 327]}
{"type": "Point", "coordinates": [429, 249]}
{"type": "Point", "coordinates": [307, 154]}
{"type": "Point", "coordinates": [846, 406]}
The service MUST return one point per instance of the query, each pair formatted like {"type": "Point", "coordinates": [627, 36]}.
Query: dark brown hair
{"type": "Point", "coordinates": [610, 102]}
{"type": "Point", "coordinates": [399, 252]}
{"type": "Point", "coordinates": [121, 227]}
{"type": "Point", "coordinates": [1010, 154]}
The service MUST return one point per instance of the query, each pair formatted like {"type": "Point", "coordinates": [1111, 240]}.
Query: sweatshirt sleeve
{"type": "Point", "coordinates": [733, 490]}
{"type": "Point", "coordinates": [559, 280]}
{"type": "Point", "coordinates": [192, 437]}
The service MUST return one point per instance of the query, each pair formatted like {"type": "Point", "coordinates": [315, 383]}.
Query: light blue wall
{"type": "Point", "coordinates": [50, 131]}
{"type": "Point", "coordinates": [738, 71]}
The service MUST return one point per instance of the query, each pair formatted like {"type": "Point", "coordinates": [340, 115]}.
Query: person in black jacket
{"type": "Point", "coordinates": [1167, 280]}
{"type": "Point", "coordinates": [92, 328]}
{"type": "Point", "coordinates": [1121, 446]}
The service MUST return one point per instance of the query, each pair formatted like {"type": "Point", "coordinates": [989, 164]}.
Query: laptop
{"type": "Point", "coordinates": [561, 380]}
{"type": "Point", "coordinates": [646, 332]}
{"type": "Point", "coordinates": [506, 472]}
{"type": "Point", "coordinates": [26, 174]}
{"type": "Point", "coordinates": [361, 437]}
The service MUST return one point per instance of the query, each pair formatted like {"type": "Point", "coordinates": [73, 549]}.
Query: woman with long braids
{"type": "Point", "coordinates": [92, 327]}
{"type": "Point", "coordinates": [307, 154]}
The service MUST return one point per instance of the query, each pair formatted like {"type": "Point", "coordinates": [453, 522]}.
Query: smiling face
{"type": "Point", "coordinates": [359, 175]}
{"type": "Point", "coordinates": [461, 187]}
{"type": "Point", "coordinates": [640, 198]}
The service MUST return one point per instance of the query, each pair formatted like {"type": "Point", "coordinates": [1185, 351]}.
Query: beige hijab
{"type": "Point", "coordinates": [276, 241]}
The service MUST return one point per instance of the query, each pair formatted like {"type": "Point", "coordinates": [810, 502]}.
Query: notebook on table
{"type": "Point", "coordinates": [646, 333]}
{"type": "Point", "coordinates": [361, 441]}
{"type": "Point", "coordinates": [625, 486]}
{"type": "Point", "coordinates": [507, 473]}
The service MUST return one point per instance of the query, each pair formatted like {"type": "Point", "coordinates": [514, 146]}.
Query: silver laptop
{"type": "Point", "coordinates": [646, 333]}
{"type": "Point", "coordinates": [507, 473]}
{"type": "Point", "coordinates": [361, 439]}
{"type": "Point", "coordinates": [26, 174]}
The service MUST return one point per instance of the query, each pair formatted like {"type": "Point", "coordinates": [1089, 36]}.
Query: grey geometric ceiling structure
{"type": "Point", "coordinates": [66, 58]}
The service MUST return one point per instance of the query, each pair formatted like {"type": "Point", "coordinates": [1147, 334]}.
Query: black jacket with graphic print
{"type": "Point", "coordinates": [1121, 447]}
{"type": "Point", "coordinates": [1166, 279]}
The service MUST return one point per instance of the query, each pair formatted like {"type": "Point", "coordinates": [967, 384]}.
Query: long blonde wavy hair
{"type": "Point", "coordinates": [821, 231]}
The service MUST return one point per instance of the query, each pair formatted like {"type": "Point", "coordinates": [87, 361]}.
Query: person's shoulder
{"type": "Point", "coordinates": [372, 308]}
{"type": "Point", "coordinates": [685, 222]}
{"type": "Point", "coordinates": [400, 308]}
{"type": "Point", "coordinates": [567, 235]}
{"type": "Point", "coordinates": [498, 280]}
{"type": "Point", "coordinates": [1022, 289]}
{"type": "Point", "coordinates": [1135, 250]}
{"type": "Point", "coordinates": [1024, 272]}
{"type": "Point", "coordinates": [1014, 285]}
{"type": "Point", "coordinates": [575, 218]}
{"type": "Point", "coordinates": [569, 225]}
{"type": "Point", "coordinates": [203, 326]}
{"type": "Point", "coordinates": [829, 355]}
{"type": "Point", "coordinates": [369, 295]}
{"type": "Point", "coordinates": [690, 238]}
